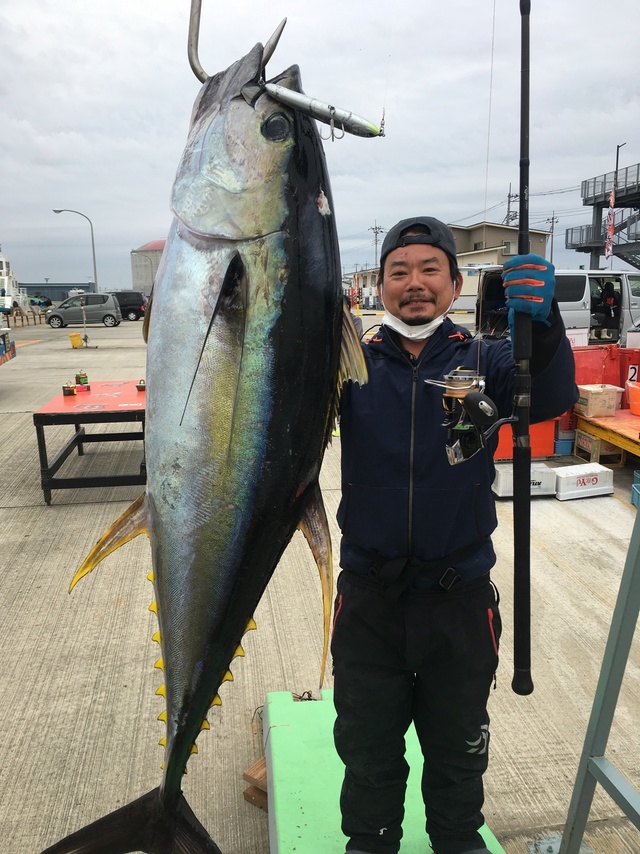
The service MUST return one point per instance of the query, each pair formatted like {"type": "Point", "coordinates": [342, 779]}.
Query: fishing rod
{"type": "Point", "coordinates": [522, 682]}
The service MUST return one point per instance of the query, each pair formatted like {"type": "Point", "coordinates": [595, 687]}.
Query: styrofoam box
{"type": "Point", "coordinates": [633, 339]}
{"type": "Point", "coordinates": [543, 480]}
{"type": "Point", "coordinates": [583, 481]}
{"type": "Point", "coordinates": [578, 337]}
{"type": "Point", "coordinates": [599, 399]}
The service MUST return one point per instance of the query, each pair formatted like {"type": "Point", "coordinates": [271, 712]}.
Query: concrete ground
{"type": "Point", "coordinates": [79, 709]}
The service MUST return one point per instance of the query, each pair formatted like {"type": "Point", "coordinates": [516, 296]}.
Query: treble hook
{"type": "Point", "coordinates": [194, 34]}
{"type": "Point", "coordinates": [332, 126]}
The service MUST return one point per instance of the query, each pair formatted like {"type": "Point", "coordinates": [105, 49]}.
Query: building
{"type": "Point", "coordinates": [57, 292]}
{"type": "Point", "coordinates": [477, 245]}
{"type": "Point", "coordinates": [488, 243]}
{"type": "Point", "coordinates": [360, 287]}
{"type": "Point", "coordinates": [144, 265]}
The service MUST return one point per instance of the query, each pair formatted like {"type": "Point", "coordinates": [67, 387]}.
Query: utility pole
{"type": "Point", "coordinates": [511, 216]}
{"type": "Point", "coordinates": [552, 220]}
{"type": "Point", "coordinates": [376, 229]}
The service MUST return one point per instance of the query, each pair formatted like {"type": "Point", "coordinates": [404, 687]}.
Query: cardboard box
{"type": "Point", "coordinates": [583, 481]}
{"type": "Point", "coordinates": [591, 449]}
{"type": "Point", "coordinates": [543, 480]}
{"type": "Point", "coordinates": [592, 444]}
{"type": "Point", "coordinates": [598, 400]}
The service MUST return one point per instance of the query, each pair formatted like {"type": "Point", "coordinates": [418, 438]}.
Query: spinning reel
{"type": "Point", "coordinates": [470, 416]}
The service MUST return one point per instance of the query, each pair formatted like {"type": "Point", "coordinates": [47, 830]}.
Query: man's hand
{"type": "Point", "coordinates": [529, 285]}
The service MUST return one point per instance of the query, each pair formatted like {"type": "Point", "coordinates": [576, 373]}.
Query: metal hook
{"type": "Point", "coordinates": [194, 34]}
{"type": "Point", "coordinates": [332, 126]}
{"type": "Point", "coordinates": [192, 43]}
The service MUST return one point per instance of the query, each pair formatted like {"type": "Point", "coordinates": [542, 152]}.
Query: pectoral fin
{"type": "Point", "coordinates": [315, 528]}
{"type": "Point", "coordinates": [352, 364]}
{"type": "Point", "coordinates": [132, 522]}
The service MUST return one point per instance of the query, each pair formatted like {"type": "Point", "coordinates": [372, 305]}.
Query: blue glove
{"type": "Point", "coordinates": [529, 285]}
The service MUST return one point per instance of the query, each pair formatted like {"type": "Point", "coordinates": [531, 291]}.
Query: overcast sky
{"type": "Point", "coordinates": [96, 97]}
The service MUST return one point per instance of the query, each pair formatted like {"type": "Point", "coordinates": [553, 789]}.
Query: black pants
{"type": "Point", "coordinates": [430, 658]}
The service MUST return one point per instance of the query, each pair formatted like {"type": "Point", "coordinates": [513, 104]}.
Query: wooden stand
{"type": "Point", "coordinates": [256, 793]}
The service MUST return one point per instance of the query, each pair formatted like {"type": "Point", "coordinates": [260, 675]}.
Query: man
{"type": "Point", "coordinates": [417, 626]}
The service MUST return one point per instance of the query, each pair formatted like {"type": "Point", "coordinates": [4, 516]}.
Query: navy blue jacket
{"type": "Point", "coordinates": [400, 496]}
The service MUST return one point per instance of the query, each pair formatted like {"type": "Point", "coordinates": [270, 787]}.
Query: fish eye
{"type": "Point", "coordinates": [276, 128]}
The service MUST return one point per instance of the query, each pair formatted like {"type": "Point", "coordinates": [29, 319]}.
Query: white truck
{"type": "Point", "coordinates": [10, 294]}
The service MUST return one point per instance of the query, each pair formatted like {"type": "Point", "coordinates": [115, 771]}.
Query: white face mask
{"type": "Point", "coordinates": [414, 333]}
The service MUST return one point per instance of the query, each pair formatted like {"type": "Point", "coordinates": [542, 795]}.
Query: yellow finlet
{"type": "Point", "coordinates": [163, 716]}
{"type": "Point", "coordinates": [156, 636]}
{"type": "Point", "coordinates": [228, 676]}
{"type": "Point", "coordinates": [159, 665]}
{"type": "Point", "coordinates": [239, 653]}
{"type": "Point", "coordinates": [151, 577]}
{"type": "Point", "coordinates": [216, 701]}
{"type": "Point", "coordinates": [205, 725]}
{"type": "Point", "coordinates": [154, 607]}
{"type": "Point", "coordinates": [163, 741]}
{"type": "Point", "coordinates": [162, 691]}
{"type": "Point", "coordinates": [132, 522]}
{"type": "Point", "coordinates": [251, 625]}
{"type": "Point", "coordinates": [194, 749]}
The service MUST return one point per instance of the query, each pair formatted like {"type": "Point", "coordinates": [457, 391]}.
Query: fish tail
{"type": "Point", "coordinates": [145, 824]}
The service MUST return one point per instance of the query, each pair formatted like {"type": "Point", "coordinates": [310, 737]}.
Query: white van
{"type": "Point", "coordinates": [596, 305]}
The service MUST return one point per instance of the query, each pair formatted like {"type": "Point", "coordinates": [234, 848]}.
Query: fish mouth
{"type": "Point", "coordinates": [204, 239]}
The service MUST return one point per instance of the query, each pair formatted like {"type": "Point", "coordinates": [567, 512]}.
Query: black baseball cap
{"type": "Point", "coordinates": [435, 233]}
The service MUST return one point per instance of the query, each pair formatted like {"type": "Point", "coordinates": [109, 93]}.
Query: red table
{"type": "Point", "coordinates": [106, 403]}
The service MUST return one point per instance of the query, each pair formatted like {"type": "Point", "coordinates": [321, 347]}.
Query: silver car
{"type": "Point", "coordinates": [86, 308]}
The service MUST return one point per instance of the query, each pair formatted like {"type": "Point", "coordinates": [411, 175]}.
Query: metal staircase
{"type": "Point", "coordinates": [596, 194]}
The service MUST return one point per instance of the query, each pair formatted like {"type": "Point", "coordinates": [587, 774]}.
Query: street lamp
{"type": "Point", "coordinates": [93, 245]}
{"type": "Point", "coordinates": [615, 178]}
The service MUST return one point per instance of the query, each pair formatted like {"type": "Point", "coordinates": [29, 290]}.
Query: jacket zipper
{"type": "Point", "coordinates": [415, 366]}
{"type": "Point", "coordinates": [412, 439]}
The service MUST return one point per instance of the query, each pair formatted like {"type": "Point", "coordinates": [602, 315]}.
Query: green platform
{"type": "Point", "coordinates": [304, 776]}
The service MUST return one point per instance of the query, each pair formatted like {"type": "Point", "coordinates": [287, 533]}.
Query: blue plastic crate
{"type": "Point", "coordinates": [635, 494]}
{"type": "Point", "coordinates": [562, 447]}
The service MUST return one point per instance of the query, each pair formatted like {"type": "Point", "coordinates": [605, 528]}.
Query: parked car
{"type": "Point", "coordinates": [132, 303]}
{"type": "Point", "coordinates": [88, 308]}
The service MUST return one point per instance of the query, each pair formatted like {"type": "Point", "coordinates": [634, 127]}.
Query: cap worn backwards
{"type": "Point", "coordinates": [435, 233]}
